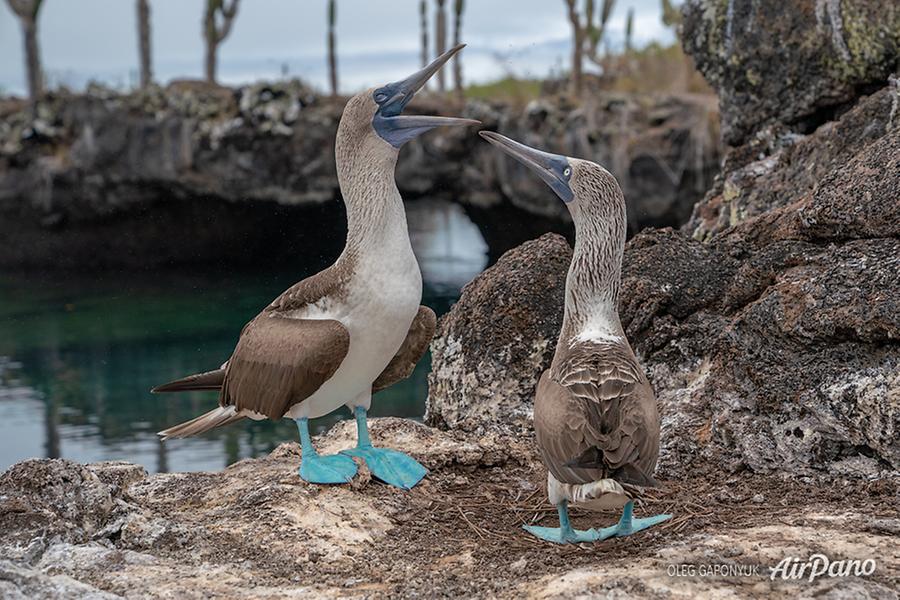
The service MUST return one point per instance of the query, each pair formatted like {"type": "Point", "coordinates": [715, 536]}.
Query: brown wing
{"type": "Point", "coordinates": [328, 282]}
{"type": "Point", "coordinates": [279, 362]}
{"type": "Point", "coordinates": [604, 413]}
{"type": "Point", "coordinates": [404, 362]}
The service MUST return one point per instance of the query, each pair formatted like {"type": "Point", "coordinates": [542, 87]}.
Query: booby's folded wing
{"type": "Point", "coordinates": [404, 362]}
{"type": "Point", "coordinates": [279, 362]}
{"type": "Point", "coordinates": [315, 288]}
{"type": "Point", "coordinates": [611, 411]}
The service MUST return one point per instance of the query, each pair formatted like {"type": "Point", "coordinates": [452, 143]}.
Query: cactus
{"type": "Point", "coordinates": [440, 38]}
{"type": "Point", "coordinates": [217, 23]}
{"type": "Point", "coordinates": [587, 36]}
{"type": "Point", "coordinates": [332, 53]}
{"type": "Point", "coordinates": [27, 11]}
{"type": "Point", "coordinates": [629, 29]}
{"type": "Point", "coordinates": [143, 20]}
{"type": "Point", "coordinates": [671, 15]}
{"type": "Point", "coordinates": [423, 24]}
{"type": "Point", "coordinates": [458, 8]}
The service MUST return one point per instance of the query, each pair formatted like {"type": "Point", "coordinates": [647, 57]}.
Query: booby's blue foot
{"type": "Point", "coordinates": [335, 468]}
{"type": "Point", "coordinates": [390, 466]}
{"type": "Point", "coordinates": [628, 524]}
{"type": "Point", "coordinates": [564, 534]}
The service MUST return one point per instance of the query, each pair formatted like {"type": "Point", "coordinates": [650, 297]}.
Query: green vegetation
{"type": "Point", "coordinates": [517, 91]}
{"type": "Point", "coordinates": [655, 69]}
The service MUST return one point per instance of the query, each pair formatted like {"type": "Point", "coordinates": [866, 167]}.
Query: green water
{"type": "Point", "coordinates": [78, 356]}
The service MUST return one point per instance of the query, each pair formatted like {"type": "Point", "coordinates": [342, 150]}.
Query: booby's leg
{"type": "Point", "coordinates": [322, 469]}
{"type": "Point", "coordinates": [628, 524]}
{"type": "Point", "coordinates": [564, 534]}
{"type": "Point", "coordinates": [390, 466]}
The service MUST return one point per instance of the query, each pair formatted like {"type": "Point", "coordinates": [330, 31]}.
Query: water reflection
{"type": "Point", "coordinates": [78, 356]}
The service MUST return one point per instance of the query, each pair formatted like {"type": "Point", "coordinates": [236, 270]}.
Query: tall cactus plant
{"type": "Point", "coordinates": [146, 64]}
{"type": "Point", "coordinates": [440, 38]}
{"type": "Point", "coordinates": [458, 8]}
{"type": "Point", "coordinates": [27, 12]}
{"type": "Point", "coordinates": [423, 26]}
{"type": "Point", "coordinates": [629, 30]}
{"type": "Point", "coordinates": [217, 22]}
{"type": "Point", "coordinates": [587, 36]}
{"type": "Point", "coordinates": [332, 53]}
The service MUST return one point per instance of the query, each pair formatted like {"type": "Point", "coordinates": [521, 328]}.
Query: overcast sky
{"type": "Point", "coordinates": [377, 40]}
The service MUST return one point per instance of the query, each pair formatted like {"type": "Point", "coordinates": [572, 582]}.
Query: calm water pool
{"type": "Point", "coordinates": [78, 355]}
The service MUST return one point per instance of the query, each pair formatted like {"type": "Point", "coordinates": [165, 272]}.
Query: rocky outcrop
{"type": "Point", "coordinates": [196, 173]}
{"type": "Point", "coordinates": [777, 169]}
{"type": "Point", "coordinates": [663, 151]}
{"type": "Point", "coordinates": [495, 342]}
{"type": "Point", "coordinates": [769, 325]}
{"type": "Point", "coordinates": [255, 530]}
{"type": "Point", "coordinates": [795, 64]}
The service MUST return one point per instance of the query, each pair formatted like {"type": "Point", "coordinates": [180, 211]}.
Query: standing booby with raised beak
{"type": "Point", "coordinates": [352, 329]}
{"type": "Point", "coordinates": [595, 415]}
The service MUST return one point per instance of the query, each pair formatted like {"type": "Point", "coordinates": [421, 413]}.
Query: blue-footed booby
{"type": "Point", "coordinates": [595, 415]}
{"type": "Point", "coordinates": [354, 328]}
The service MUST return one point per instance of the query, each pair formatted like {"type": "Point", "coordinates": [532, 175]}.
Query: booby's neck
{"type": "Point", "coordinates": [376, 219]}
{"type": "Point", "coordinates": [592, 284]}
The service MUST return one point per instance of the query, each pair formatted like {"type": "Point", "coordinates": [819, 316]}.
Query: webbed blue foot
{"type": "Point", "coordinates": [561, 536]}
{"type": "Point", "coordinates": [564, 534]}
{"type": "Point", "coordinates": [335, 468]}
{"type": "Point", "coordinates": [628, 525]}
{"type": "Point", "coordinates": [390, 466]}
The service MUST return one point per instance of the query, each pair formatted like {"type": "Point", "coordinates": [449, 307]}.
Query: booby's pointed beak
{"type": "Point", "coordinates": [398, 129]}
{"type": "Point", "coordinates": [554, 169]}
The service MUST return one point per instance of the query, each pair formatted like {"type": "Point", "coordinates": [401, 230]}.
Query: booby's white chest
{"type": "Point", "coordinates": [379, 305]}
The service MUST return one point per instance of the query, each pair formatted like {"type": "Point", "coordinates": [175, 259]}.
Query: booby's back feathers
{"type": "Point", "coordinates": [595, 415]}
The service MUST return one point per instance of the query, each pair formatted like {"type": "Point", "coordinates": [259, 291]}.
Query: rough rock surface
{"type": "Point", "coordinates": [778, 168]}
{"type": "Point", "coordinates": [255, 530]}
{"type": "Point", "coordinates": [794, 63]}
{"type": "Point", "coordinates": [199, 173]}
{"type": "Point", "coordinates": [770, 326]}
{"type": "Point", "coordinates": [493, 345]}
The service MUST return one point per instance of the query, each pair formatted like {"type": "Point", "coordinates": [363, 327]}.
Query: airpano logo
{"type": "Point", "coordinates": [819, 565]}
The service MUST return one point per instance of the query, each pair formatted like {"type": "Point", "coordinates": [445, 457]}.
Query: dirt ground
{"type": "Point", "coordinates": [255, 530]}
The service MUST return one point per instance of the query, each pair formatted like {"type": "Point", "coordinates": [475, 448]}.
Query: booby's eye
{"type": "Point", "coordinates": [380, 97]}
{"type": "Point", "coordinates": [567, 171]}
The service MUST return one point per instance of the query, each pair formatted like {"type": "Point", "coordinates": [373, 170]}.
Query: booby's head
{"type": "Point", "coordinates": [378, 111]}
{"type": "Point", "coordinates": [597, 205]}
{"type": "Point", "coordinates": [589, 191]}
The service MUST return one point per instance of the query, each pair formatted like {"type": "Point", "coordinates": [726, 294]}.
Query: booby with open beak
{"type": "Point", "coordinates": [352, 329]}
{"type": "Point", "coordinates": [595, 415]}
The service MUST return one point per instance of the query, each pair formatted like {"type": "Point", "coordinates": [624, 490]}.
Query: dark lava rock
{"type": "Point", "coordinates": [794, 63]}
{"type": "Point", "coordinates": [493, 345]}
{"type": "Point", "coordinates": [196, 173]}
{"type": "Point", "coordinates": [777, 169]}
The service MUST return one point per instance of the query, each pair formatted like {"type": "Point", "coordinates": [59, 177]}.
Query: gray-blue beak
{"type": "Point", "coordinates": [554, 169]}
{"type": "Point", "coordinates": [392, 98]}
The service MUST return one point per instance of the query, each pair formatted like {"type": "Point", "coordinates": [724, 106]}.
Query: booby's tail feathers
{"type": "Point", "coordinates": [222, 415]}
{"type": "Point", "coordinates": [210, 380]}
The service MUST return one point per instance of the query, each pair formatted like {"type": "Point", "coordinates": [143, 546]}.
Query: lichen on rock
{"type": "Point", "coordinates": [493, 345]}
